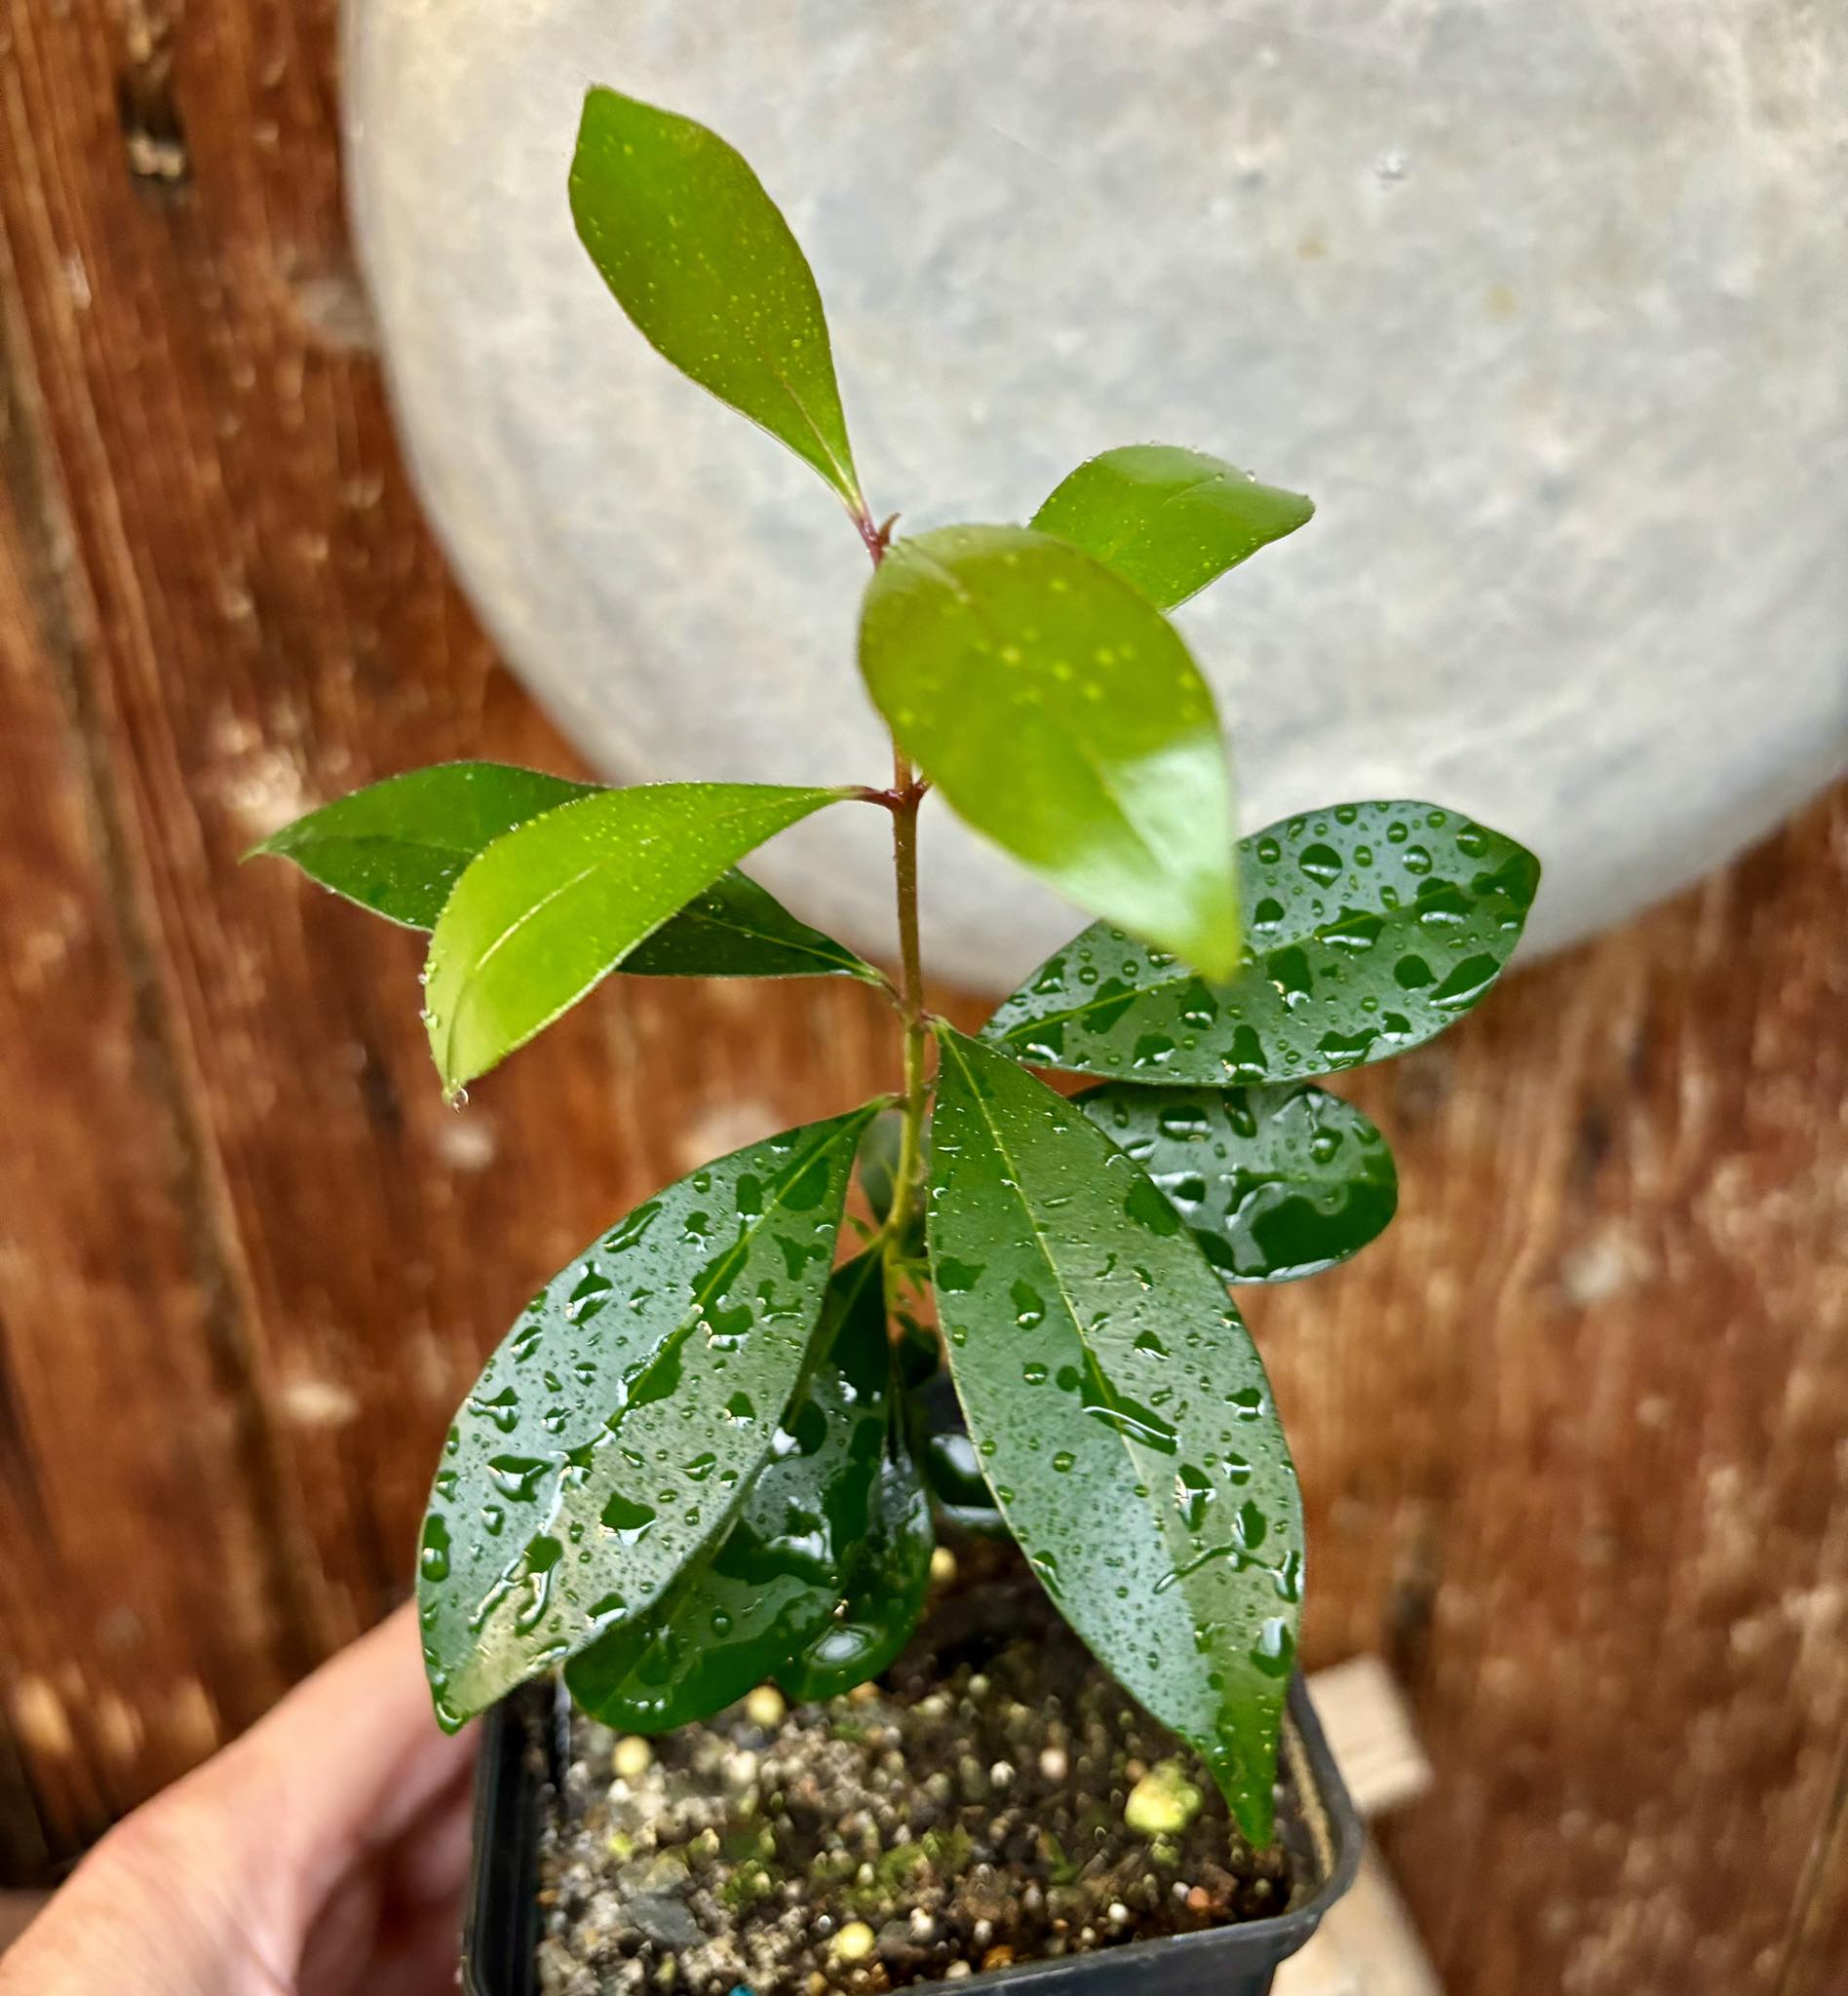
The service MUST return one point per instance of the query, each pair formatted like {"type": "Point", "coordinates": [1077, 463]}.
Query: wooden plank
{"type": "Point", "coordinates": [143, 1606]}
{"type": "Point", "coordinates": [211, 463]}
{"type": "Point", "coordinates": [1573, 1445]}
{"type": "Point", "coordinates": [1570, 1435]}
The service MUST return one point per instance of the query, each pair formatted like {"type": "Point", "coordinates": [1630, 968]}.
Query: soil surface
{"type": "Point", "coordinates": [975, 1807]}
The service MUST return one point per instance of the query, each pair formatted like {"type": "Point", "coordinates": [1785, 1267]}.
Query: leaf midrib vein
{"type": "Point", "coordinates": [472, 972]}
{"type": "Point", "coordinates": [1167, 499]}
{"type": "Point", "coordinates": [1040, 1239]}
{"type": "Point", "coordinates": [1092, 768]}
{"type": "Point", "coordinates": [847, 477]}
{"type": "Point", "coordinates": [674, 1339]}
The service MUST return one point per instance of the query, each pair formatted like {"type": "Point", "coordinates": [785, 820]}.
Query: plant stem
{"type": "Point", "coordinates": [903, 801]}
{"type": "Point", "coordinates": [908, 1190]}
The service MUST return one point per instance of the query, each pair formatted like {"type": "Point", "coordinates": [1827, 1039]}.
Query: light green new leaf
{"type": "Point", "coordinates": [397, 847]}
{"type": "Point", "coordinates": [1171, 520]}
{"type": "Point", "coordinates": [1275, 1183]}
{"type": "Point", "coordinates": [761, 1595]}
{"type": "Point", "coordinates": [1060, 714]}
{"type": "Point", "coordinates": [702, 260]}
{"type": "Point", "coordinates": [554, 906]}
{"type": "Point", "coordinates": [612, 1435]}
{"type": "Point", "coordinates": [1120, 1412]}
{"type": "Point", "coordinates": [1373, 927]}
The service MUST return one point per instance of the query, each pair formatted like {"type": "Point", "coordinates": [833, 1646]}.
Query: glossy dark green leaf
{"type": "Point", "coordinates": [1119, 1411]}
{"type": "Point", "coordinates": [879, 1155]}
{"type": "Point", "coordinates": [953, 1471]}
{"type": "Point", "coordinates": [1273, 1182]}
{"type": "Point", "coordinates": [1058, 712]}
{"type": "Point", "coordinates": [617, 1428]}
{"type": "Point", "coordinates": [880, 1162]}
{"type": "Point", "coordinates": [948, 1459]}
{"type": "Point", "coordinates": [397, 847]}
{"type": "Point", "coordinates": [547, 911]}
{"type": "Point", "coordinates": [762, 1593]}
{"type": "Point", "coordinates": [702, 262]}
{"type": "Point", "coordinates": [737, 929]}
{"type": "Point", "coordinates": [1170, 519]}
{"type": "Point", "coordinates": [887, 1578]}
{"type": "Point", "coordinates": [1371, 926]}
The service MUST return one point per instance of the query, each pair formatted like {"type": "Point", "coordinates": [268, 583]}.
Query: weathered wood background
{"type": "Point", "coordinates": [1574, 1436]}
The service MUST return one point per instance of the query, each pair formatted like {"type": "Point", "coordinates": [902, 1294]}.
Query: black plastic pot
{"type": "Point", "coordinates": [523, 1743]}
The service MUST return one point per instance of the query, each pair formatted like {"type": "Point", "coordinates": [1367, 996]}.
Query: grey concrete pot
{"type": "Point", "coordinates": [1542, 302]}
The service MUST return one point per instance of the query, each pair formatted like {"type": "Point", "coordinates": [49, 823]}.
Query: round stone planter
{"type": "Point", "coordinates": [1540, 303]}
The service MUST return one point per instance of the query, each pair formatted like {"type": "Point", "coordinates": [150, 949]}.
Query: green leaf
{"type": "Point", "coordinates": [1273, 1182]}
{"type": "Point", "coordinates": [550, 908]}
{"type": "Point", "coordinates": [1061, 716]}
{"type": "Point", "coordinates": [737, 929]}
{"type": "Point", "coordinates": [758, 1598]}
{"type": "Point", "coordinates": [879, 1151]}
{"type": "Point", "coordinates": [615, 1431]}
{"type": "Point", "coordinates": [1171, 520]}
{"type": "Point", "coordinates": [1119, 1411]}
{"type": "Point", "coordinates": [953, 1471]}
{"type": "Point", "coordinates": [397, 847]}
{"type": "Point", "coordinates": [702, 262]}
{"type": "Point", "coordinates": [948, 1459]}
{"type": "Point", "coordinates": [1372, 928]}
{"type": "Point", "coordinates": [887, 1579]}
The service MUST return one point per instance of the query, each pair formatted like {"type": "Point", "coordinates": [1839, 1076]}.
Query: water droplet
{"type": "Point", "coordinates": [1321, 863]}
{"type": "Point", "coordinates": [516, 1476]}
{"type": "Point", "coordinates": [628, 1520]}
{"type": "Point", "coordinates": [432, 1559]}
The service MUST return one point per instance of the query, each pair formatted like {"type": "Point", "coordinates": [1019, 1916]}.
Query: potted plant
{"type": "Point", "coordinates": [705, 1464]}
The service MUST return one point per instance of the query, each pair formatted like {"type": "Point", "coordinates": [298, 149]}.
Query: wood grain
{"type": "Point", "coordinates": [1572, 1433]}
{"type": "Point", "coordinates": [1573, 1448]}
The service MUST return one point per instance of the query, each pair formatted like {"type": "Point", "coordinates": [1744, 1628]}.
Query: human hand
{"type": "Point", "coordinates": [320, 1854]}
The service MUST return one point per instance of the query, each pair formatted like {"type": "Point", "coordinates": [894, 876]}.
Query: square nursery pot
{"type": "Point", "coordinates": [523, 1741]}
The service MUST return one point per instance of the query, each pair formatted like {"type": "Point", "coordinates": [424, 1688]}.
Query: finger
{"type": "Point", "coordinates": [139, 1897]}
{"type": "Point", "coordinates": [404, 1909]}
{"type": "Point", "coordinates": [334, 1773]}
{"type": "Point", "coordinates": [419, 1958]}
{"type": "Point", "coordinates": [431, 1864]}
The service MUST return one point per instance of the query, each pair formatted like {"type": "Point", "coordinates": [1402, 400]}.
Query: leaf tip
{"type": "Point", "coordinates": [1254, 1810]}
{"type": "Point", "coordinates": [1216, 949]}
{"type": "Point", "coordinates": [281, 843]}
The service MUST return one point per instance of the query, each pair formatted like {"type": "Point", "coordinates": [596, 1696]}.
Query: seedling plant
{"type": "Point", "coordinates": [709, 1452]}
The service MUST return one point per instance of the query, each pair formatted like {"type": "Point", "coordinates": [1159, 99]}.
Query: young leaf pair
{"type": "Point", "coordinates": [1027, 671]}
{"type": "Point", "coordinates": [535, 888]}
